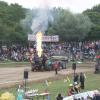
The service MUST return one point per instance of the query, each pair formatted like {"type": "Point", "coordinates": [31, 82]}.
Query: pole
{"type": "Point", "coordinates": [25, 78]}
{"type": "Point", "coordinates": [74, 74]}
{"type": "Point", "coordinates": [25, 85]}
{"type": "Point", "coordinates": [74, 85]}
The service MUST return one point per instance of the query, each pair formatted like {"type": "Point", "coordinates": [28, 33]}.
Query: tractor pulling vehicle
{"type": "Point", "coordinates": [49, 63]}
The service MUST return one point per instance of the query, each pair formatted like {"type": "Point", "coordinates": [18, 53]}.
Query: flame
{"type": "Point", "coordinates": [39, 43]}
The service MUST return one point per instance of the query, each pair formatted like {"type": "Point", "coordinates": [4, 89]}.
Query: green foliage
{"type": "Point", "coordinates": [10, 17]}
{"type": "Point", "coordinates": [27, 22]}
{"type": "Point", "coordinates": [69, 26]}
{"type": "Point", "coordinates": [15, 23]}
{"type": "Point", "coordinates": [94, 15]}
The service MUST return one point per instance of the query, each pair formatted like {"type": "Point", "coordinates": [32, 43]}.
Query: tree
{"type": "Point", "coordinates": [94, 15]}
{"type": "Point", "coordinates": [10, 17]}
{"type": "Point", "coordinates": [69, 26]}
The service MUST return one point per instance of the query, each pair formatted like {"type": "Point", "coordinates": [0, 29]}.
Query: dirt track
{"type": "Point", "coordinates": [12, 76]}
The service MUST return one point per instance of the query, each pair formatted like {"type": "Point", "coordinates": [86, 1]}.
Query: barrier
{"type": "Point", "coordinates": [83, 95]}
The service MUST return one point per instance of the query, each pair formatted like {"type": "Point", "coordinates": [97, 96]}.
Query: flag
{"type": "Point", "coordinates": [85, 75]}
{"type": "Point", "coordinates": [67, 80]}
{"type": "Point", "coordinates": [46, 82]}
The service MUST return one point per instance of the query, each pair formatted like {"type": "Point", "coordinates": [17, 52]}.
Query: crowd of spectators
{"type": "Point", "coordinates": [77, 50]}
{"type": "Point", "coordinates": [14, 53]}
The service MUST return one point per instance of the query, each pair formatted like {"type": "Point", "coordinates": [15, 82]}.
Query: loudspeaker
{"type": "Point", "coordinates": [74, 66]}
{"type": "Point", "coordinates": [25, 74]}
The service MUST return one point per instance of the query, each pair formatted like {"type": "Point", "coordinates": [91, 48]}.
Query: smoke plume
{"type": "Point", "coordinates": [42, 17]}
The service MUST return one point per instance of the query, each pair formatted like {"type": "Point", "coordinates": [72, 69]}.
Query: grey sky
{"type": "Point", "coordinates": [74, 5]}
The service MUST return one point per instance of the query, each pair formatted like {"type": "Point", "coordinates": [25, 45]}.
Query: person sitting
{"type": "Point", "coordinates": [82, 80]}
{"type": "Point", "coordinates": [71, 90]}
{"type": "Point", "coordinates": [59, 97]}
{"type": "Point", "coordinates": [77, 87]}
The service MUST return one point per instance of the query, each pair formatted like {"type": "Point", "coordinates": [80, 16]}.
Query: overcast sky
{"type": "Point", "coordinates": [76, 6]}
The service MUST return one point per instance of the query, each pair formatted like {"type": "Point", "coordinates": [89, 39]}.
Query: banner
{"type": "Point", "coordinates": [54, 38]}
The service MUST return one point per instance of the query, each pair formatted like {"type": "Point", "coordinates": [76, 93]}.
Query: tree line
{"type": "Point", "coordinates": [94, 15]}
{"type": "Point", "coordinates": [16, 21]}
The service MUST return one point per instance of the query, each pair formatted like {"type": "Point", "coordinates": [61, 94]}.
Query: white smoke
{"type": "Point", "coordinates": [42, 17]}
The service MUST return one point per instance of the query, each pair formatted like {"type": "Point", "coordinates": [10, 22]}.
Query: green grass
{"type": "Point", "coordinates": [13, 64]}
{"type": "Point", "coordinates": [92, 82]}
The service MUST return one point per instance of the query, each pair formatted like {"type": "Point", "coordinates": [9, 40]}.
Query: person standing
{"type": "Point", "coordinates": [56, 65]}
{"type": "Point", "coordinates": [44, 59]}
{"type": "Point", "coordinates": [82, 80]}
{"type": "Point", "coordinates": [59, 97]}
{"type": "Point", "coordinates": [76, 78]}
{"type": "Point", "coordinates": [47, 95]}
{"type": "Point", "coordinates": [20, 93]}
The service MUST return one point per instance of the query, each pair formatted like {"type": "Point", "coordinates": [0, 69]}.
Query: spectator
{"type": "Point", "coordinates": [56, 65]}
{"type": "Point", "coordinates": [59, 97]}
{"type": "Point", "coordinates": [82, 79]}
{"type": "Point", "coordinates": [76, 78]}
{"type": "Point", "coordinates": [20, 93]}
{"type": "Point", "coordinates": [77, 87]}
{"type": "Point", "coordinates": [71, 90]}
{"type": "Point", "coordinates": [44, 58]}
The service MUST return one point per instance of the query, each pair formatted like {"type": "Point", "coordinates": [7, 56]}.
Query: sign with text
{"type": "Point", "coordinates": [54, 38]}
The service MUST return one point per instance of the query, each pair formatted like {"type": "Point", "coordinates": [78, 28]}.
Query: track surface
{"type": "Point", "coordinates": [12, 76]}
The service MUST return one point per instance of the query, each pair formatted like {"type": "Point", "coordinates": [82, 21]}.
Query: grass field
{"type": "Point", "coordinates": [58, 86]}
{"type": "Point", "coordinates": [13, 64]}
{"type": "Point", "coordinates": [8, 64]}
